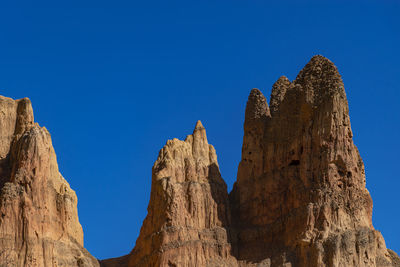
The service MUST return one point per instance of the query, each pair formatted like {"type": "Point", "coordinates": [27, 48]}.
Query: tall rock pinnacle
{"type": "Point", "coordinates": [307, 204]}
{"type": "Point", "coordinates": [257, 106]}
{"type": "Point", "coordinates": [188, 213]}
{"type": "Point", "coordinates": [39, 223]}
{"type": "Point", "coordinates": [299, 199]}
{"type": "Point", "coordinates": [278, 93]}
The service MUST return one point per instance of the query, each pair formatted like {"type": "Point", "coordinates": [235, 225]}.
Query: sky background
{"type": "Point", "coordinates": [113, 82]}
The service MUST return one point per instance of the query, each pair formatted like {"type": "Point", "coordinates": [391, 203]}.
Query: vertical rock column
{"type": "Point", "coordinates": [188, 213]}
{"type": "Point", "coordinates": [39, 223]}
{"type": "Point", "coordinates": [302, 201]}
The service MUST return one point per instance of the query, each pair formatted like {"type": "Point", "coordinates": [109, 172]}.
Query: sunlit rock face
{"type": "Point", "coordinates": [299, 200]}
{"type": "Point", "coordinates": [300, 197]}
{"type": "Point", "coordinates": [39, 223]}
{"type": "Point", "coordinates": [188, 213]}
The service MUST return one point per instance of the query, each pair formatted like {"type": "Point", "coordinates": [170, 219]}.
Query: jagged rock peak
{"type": "Point", "coordinates": [300, 196]}
{"type": "Point", "coordinates": [188, 213]}
{"type": "Point", "coordinates": [299, 199]}
{"type": "Point", "coordinates": [278, 93]}
{"type": "Point", "coordinates": [39, 223]}
{"type": "Point", "coordinates": [257, 106]}
{"type": "Point", "coordinates": [16, 116]}
{"type": "Point", "coordinates": [319, 67]}
{"type": "Point", "coordinates": [25, 118]}
{"type": "Point", "coordinates": [321, 77]}
{"type": "Point", "coordinates": [198, 126]}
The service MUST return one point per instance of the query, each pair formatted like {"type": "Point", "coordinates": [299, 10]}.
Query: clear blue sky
{"type": "Point", "coordinates": [113, 82]}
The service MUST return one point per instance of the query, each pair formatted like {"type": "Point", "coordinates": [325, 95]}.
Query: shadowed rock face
{"type": "Point", "coordinates": [38, 210]}
{"type": "Point", "coordinates": [299, 200]}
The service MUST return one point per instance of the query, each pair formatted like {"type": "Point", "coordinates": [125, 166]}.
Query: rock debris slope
{"type": "Point", "coordinates": [39, 224]}
{"type": "Point", "coordinates": [300, 198]}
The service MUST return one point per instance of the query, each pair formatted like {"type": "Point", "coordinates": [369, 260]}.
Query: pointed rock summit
{"type": "Point", "coordinates": [278, 92]}
{"type": "Point", "coordinates": [39, 223]}
{"type": "Point", "coordinates": [299, 199]}
{"type": "Point", "coordinates": [188, 213]}
{"type": "Point", "coordinates": [302, 200]}
{"type": "Point", "coordinates": [198, 126]}
{"type": "Point", "coordinates": [257, 107]}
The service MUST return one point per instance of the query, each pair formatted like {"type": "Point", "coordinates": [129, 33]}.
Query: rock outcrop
{"type": "Point", "coordinates": [188, 213]}
{"type": "Point", "coordinates": [300, 198]}
{"type": "Point", "coordinates": [39, 224]}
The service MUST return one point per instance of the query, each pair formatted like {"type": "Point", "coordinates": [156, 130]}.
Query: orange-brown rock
{"type": "Point", "coordinates": [300, 197]}
{"type": "Point", "coordinates": [188, 213]}
{"type": "Point", "coordinates": [39, 224]}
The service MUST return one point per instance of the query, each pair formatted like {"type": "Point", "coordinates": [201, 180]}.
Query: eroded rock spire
{"type": "Point", "coordinates": [39, 223]}
{"type": "Point", "coordinates": [188, 214]}
{"type": "Point", "coordinates": [308, 206]}
{"type": "Point", "coordinates": [299, 199]}
{"type": "Point", "coordinates": [278, 93]}
{"type": "Point", "coordinates": [257, 106]}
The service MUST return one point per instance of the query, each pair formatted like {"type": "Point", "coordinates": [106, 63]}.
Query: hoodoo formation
{"type": "Point", "coordinates": [39, 224]}
{"type": "Point", "coordinates": [300, 198]}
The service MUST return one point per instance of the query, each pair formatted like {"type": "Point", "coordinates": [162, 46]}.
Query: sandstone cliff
{"type": "Point", "coordinates": [39, 224]}
{"type": "Point", "coordinates": [300, 198]}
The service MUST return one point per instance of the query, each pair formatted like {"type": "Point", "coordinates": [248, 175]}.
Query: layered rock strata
{"type": "Point", "coordinates": [300, 198]}
{"type": "Point", "coordinates": [39, 224]}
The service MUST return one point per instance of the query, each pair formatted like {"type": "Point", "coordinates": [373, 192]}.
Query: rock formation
{"type": "Point", "coordinates": [188, 213]}
{"type": "Point", "coordinates": [39, 224]}
{"type": "Point", "coordinates": [300, 198]}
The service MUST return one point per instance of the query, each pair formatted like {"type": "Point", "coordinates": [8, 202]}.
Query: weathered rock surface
{"type": "Point", "coordinates": [188, 213]}
{"type": "Point", "coordinates": [38, 210]}
{"type": "Point", "coordinates": [300, 198]}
